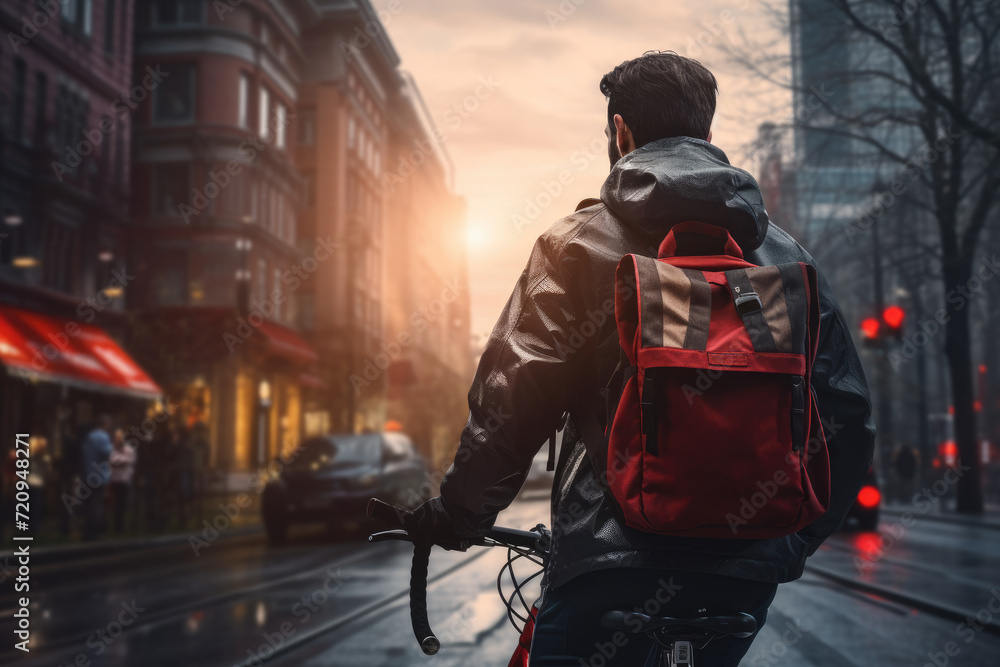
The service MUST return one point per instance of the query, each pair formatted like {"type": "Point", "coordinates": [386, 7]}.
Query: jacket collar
{"type": "Point", "coordinates": [679, 179]}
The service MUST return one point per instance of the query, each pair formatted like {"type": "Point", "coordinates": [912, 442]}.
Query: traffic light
{"type": "Point", "coordinates": [893, 317]}
{"type": "Point", "coordinates": [871, 327]}
{"type": "Point", "coordinates": [875, 329]}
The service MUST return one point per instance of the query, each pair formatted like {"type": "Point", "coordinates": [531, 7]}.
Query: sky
{"type": "Point", "coordinates": [513, 86]}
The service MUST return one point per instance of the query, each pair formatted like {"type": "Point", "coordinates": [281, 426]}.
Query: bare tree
{"type": "Point", "coordinates": [913, 97]}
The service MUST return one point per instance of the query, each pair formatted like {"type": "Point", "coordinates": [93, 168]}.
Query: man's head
{"type": "Point", "coordinates": [655, 96]}
{"type": "Point", "coordinates": [104, 423]}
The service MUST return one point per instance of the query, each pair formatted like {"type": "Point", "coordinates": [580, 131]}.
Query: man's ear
{"type": "Point", "coordinates": [626, 143]}
{"type": "Point", "coordinates": [709, 137]}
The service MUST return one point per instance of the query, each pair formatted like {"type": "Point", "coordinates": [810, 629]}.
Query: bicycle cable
{"type": "Point", "coordinates": [518, 586]}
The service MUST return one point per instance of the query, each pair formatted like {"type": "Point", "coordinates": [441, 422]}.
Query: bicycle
{"type": "Point", "coordinates": [676, 638]}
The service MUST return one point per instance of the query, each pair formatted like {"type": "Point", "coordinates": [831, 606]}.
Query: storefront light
{"type": "Point", "coordinates": [25, 262]}
{"type": "Point", "coordinates": [12, 219]}
{"type": "Point", "coordinates": [264, 392]}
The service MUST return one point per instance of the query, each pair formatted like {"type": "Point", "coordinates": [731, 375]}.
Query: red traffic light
{"type": "Point", "coordinates": [869, 497]}
{"type": "Point", "coordinates": [870, 327]}
{"type": "Point", "coordinates": [893, 316]}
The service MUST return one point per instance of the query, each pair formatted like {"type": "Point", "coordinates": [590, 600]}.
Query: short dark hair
{"type": "Point", "coordinates": [661, 94]}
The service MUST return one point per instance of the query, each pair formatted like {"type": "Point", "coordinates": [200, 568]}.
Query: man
{"type": "Point", "coordinates": [96, 466]}
{"type": "Point", "coordinates": [664, 170]}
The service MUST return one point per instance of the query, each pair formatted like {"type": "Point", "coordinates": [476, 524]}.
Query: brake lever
{"type": "Point", "coordinates": [387, 535]}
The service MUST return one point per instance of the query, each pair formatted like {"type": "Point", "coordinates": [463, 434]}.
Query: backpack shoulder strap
{"type": "Point", "coordinates": [593, 425]}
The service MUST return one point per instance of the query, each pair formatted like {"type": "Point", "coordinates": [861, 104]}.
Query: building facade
{"type": "Point", "coordinates": [212, 182]}
{"type": "Point", "coordinates": [428, 317]}
{"type": "Point", "coordinates": [67, 105]}
{"type": "Point", "coordinates": [389, 318]}
{"type": "Point", "coordinates": [216, 194]}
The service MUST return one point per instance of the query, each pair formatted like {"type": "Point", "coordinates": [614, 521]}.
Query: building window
{"type": "Point", "coordinates": [279, 219]}
{"type": "Point", "coordinates": [265, 193]}
{"type": "Point", "coordinates": [170, 286]}
{"type": "Point", "coordinates": [272, 223]}
{"type": "Point", "coordinates": [174, 98]}
{"type": "Point", "coordinates": [244, 100]}
{"type": "Point", "coordinates": [78, 14]}
{"type": "Point", "coordinates": [254, 196]}
{"type": "Point", "coordinates": [120, 139]}
{"type": "Point", "coordinates": [178, 12]}
{"type": "Point", "coordinates": [262, 111]}
{"type": "Point", "coordinates": [41, 106]}
{"type": "Point", "coordinates": [281, 118]}
{"type": "Point", "coordinates": [261, 287]}
{"type": "Point", "coordinates": [17, 111]}
{"type": "Point", "coordinates": [72, 112]}
{"type": "Point", "coordinates": [107, 168]}
{"type": "Point", "coordinates": [307, 312]}
{"type": "Point", "coordinates": [171, 188]}
{"type": "Point", "coordinates": [59, 263]}
{"type": "Point", "coordinates": [307, 127]}
{"type": "Point", "coordinates": [109, 26]}
{"type": "Point", "coordinates": [278, 304]}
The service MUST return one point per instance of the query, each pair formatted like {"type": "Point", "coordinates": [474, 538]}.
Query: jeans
{"type": "Point", "coordinates": [569, 633]}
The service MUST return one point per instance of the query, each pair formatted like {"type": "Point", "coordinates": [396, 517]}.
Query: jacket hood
{"type": "Point", "coordinates": [680, 179]}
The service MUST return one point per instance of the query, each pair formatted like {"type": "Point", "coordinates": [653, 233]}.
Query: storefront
{"type": "Point", "coordinates": [58, 376]}
{"type": "Point", "coordinates": [246, 382]}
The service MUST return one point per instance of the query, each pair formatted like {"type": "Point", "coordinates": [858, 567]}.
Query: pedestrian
{"type": "Point", "coordinates": [68, 471]}
{"type": "Point", "coordinates": [123, 462]}
{"type": "Point", "coordinates": [557, 346]}
{"type": "Point", "coordinates": [96, 472]}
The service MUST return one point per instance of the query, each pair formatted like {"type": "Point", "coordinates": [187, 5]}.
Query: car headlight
{"type": "Point", "coordinates": [366, 480]}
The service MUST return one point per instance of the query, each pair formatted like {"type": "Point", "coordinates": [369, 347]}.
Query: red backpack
{"type": "Point", "coordinates": [715, 432]}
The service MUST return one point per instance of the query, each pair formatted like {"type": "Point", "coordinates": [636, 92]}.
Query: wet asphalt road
{"type": "Point", "coordinates": [898, 597]}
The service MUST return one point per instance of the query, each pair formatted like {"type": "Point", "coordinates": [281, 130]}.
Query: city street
{"type": "Point", "coordinates": [336, 600]}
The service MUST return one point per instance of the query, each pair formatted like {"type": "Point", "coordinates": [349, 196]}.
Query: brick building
{"type": "Point", "coordinates": [215, 198]}
{"type": "Point", "coordinates": [67, 103]}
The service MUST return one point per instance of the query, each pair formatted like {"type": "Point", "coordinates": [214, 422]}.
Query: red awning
{"type": "Point", "coordinates": [52, 349]}
{"type": "Point", "coordinates": [312, 381]}
{"type": "Point", "coordinates": [284, 342]}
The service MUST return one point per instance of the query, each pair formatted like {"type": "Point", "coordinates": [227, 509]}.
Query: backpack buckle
{"type": "Point", "coordinates": [747, 303]}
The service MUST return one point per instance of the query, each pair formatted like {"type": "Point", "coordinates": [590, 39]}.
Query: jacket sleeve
{"type": "Point", "coordinates": [846, 412]}
{"type": "Point", "coordinates": [521, 389]}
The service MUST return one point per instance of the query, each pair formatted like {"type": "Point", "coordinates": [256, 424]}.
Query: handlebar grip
{"type": "Point", "coordinates": [429, 644]}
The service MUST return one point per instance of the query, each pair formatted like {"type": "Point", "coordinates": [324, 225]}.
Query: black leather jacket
{"type": "Point", "coordinates": [555, 346]}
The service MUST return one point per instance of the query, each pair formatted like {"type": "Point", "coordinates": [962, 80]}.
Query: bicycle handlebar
{"type": "Point", "coordinates": [429, 643]}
